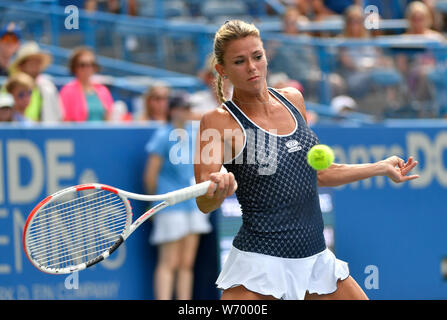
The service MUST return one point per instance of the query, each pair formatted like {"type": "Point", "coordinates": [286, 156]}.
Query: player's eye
{"type": "Point", "coordinates": [238, 61]}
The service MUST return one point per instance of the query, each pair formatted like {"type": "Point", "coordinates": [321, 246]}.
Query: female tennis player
{"type": "Point", "coordinates": [279, 251]}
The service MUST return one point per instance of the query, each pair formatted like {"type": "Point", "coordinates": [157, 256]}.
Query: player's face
{"type": "Point", "coordinates": [245, 63]}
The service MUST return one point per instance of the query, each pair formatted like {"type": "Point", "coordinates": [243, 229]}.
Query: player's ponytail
{"type": "Point", "coordinates": [219, 89]}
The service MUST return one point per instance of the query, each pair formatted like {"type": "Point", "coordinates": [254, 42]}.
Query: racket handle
{"type": "Point", "coordinates": [194, 191]}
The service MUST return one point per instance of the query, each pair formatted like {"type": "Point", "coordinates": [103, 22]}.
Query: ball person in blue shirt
{"type": "Point", "coordinates": [176, 230]}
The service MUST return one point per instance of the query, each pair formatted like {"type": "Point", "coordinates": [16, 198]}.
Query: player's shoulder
{"type": "Point", "coordinates": [218, 118]}
{"type": "Point", "coordinates": [292, 94]}
{"type": "Point", "coordinates": [295, 97]}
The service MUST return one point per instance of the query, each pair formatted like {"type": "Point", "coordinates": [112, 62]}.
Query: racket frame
{"type": "Point", "coordinates": [167, 199]}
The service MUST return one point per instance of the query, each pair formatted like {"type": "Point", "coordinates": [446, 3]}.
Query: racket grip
{"type": "Point", "coordinates": [194, 191]}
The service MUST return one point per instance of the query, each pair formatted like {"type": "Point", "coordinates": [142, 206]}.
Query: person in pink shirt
{"type": "Point", "coordinates": [84, 99]}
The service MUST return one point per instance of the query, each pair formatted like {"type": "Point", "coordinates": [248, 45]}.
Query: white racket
{"type": "Point", "coordinates": [80, 226]}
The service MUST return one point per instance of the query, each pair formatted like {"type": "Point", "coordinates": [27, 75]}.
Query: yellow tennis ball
{"type": "Point", "coordinates": [320, 157]}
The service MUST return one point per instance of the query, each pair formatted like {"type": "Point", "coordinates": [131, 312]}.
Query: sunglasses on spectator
{"type": "Point", "coordinates": [159, 97]}
{"type": "Point", "coordinates": [9, 38]}
{"type": "Point", "coordinates": [86, 64]}
{"type": "Point", "coordinates": [23, 94]}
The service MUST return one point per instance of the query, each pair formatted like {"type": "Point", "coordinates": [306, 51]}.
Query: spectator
{"type": "Point", "coordinates": [437, 17]}
{"type": "Point", "coordinates": [342, 105]}
{"type": "Point", "coordinates": [9, 44]}
{"type": "Point", "coordinates": [298, 61]}
{"type": "Point", "coordinates": [83, 98]}
{"type": "Point", "coordinates": [291, 19]}
{"type": "Point", "coordinates": [420, 21]}
{"type": "Point", "coordinates": [20, 86]}
{"type": "Point", "coordinates": [45, 104]}
{"type": "Point", "coordinates": [177, 229]}
{"type": "Point", "coordinates": [356, 63]}
{"type": "Point", "coordinates": [6, 104]}
{"type": "Point", "coordinates": [417, 66]}
{"type": "Point", "coordinates": [91, 5]}
{"type": "Point", "coordinates": [156, 103]}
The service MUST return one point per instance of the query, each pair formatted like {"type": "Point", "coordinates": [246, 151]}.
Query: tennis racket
{"type": "Point", "coordinates": [79, 226]}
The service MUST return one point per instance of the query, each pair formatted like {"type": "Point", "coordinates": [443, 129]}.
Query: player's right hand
{"type": "Point", "coordinates": [222, 185]}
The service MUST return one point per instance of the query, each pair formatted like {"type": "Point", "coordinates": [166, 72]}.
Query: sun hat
{"type": "Point", "coordinates": [28, 50]}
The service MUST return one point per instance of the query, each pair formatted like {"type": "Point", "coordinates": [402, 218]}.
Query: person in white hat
{"type": "Point", "coordinates": [6, 103]}
{"type": "Point", "coordinates": [45, 104]}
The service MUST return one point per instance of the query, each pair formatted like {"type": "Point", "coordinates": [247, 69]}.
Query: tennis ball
{"type": "Point", "coordinates": [320, 157]}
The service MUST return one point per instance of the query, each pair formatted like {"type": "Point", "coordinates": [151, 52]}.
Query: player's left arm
{"type": "Point", "coordinates": [393, 167]}
{"type": "Point", "coordinates": [337, 174]}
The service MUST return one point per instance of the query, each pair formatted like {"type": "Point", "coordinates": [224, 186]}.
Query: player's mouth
{"type": "Point", "coordinates": [254, 78]}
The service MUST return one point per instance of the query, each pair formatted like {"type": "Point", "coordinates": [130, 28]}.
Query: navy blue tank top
{"type": "Point", "coordinates": [277, 189]}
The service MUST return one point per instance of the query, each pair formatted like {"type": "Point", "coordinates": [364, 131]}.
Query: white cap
{"type": "Point", "coordinates": [6, 100]}
{"type": "Point", "coordinates": [342, 102]}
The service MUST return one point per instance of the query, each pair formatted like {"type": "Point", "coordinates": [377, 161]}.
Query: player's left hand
{"type": "Point", "coordinates": [397, 170]}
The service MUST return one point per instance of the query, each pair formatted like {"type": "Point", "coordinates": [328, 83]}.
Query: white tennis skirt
{"type": "Point", "coordinates": [282, 278]}
{"type": "Point", "coordinates": [173, 225]}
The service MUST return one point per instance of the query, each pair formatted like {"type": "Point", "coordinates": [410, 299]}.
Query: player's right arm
{"type": "Point", "coordinates": [208, 161]}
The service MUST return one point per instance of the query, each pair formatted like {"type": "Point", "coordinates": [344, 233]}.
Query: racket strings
{"type": "Point", "coordinates": [75, 206]}
{"type": "Point", "coordinates": [67, 233]}
{"type": "Point", "coordinates": [74, 223]}
{"type": "Point", "coordinates": [40, 243]}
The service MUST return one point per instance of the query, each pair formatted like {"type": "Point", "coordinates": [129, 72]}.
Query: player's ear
{"type": "Point", "coordinates": [220, 69]}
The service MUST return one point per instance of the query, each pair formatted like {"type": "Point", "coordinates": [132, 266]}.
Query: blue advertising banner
{"type": "Point", "coordinates": [35, 162]}
{"type": "Point", "coordinates": [393, 235]}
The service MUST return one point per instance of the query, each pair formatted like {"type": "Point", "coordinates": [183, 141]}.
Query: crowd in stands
{"type": "Point", "coordinates": [28, 95]}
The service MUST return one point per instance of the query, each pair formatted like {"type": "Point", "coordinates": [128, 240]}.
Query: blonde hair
{"type": "Point", "coordinates": [419, 7]}
{"type": "Point", "coordinates": [349, 13]}
{"type": "Point", "coordinates": [151, 92]}
{"type": "Point", "coordinates": [19, 79]}
{"type": "Point", "coordinates": [229, 31]}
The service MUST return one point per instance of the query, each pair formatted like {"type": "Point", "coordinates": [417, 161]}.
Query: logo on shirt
{"type": "Point", "coordinates": [292, 146]}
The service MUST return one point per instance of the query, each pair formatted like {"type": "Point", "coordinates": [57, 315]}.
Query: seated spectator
{"type": "Point", "coordinates": [6, 104]}
{"type": "Point", "coordinates": [291, 18]}
{"type": "Point", "coordinates": [357, 62]}
{"type": "Point", "coordinates": [156, 104]}
{"type": "Point", "coordinates": [296, 60]}
{"type": "Point", "coordinates": [417, 65]}
{"type": "Point", "coordinates": [45, 104]}
{"type": "Point", "coordinates": [342, 105]}
{"type": "Point", "coordinates": [9, 44]}
{"type": "Point", "coordinates": [83, 98]}
{"type": "Point", "coordinates": [20, 86]}
{"type": "Point", "coordinates": [420, 21]}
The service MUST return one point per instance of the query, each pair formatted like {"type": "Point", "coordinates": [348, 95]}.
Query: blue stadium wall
{"type": "Point", "coordinates": [392, 236]}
